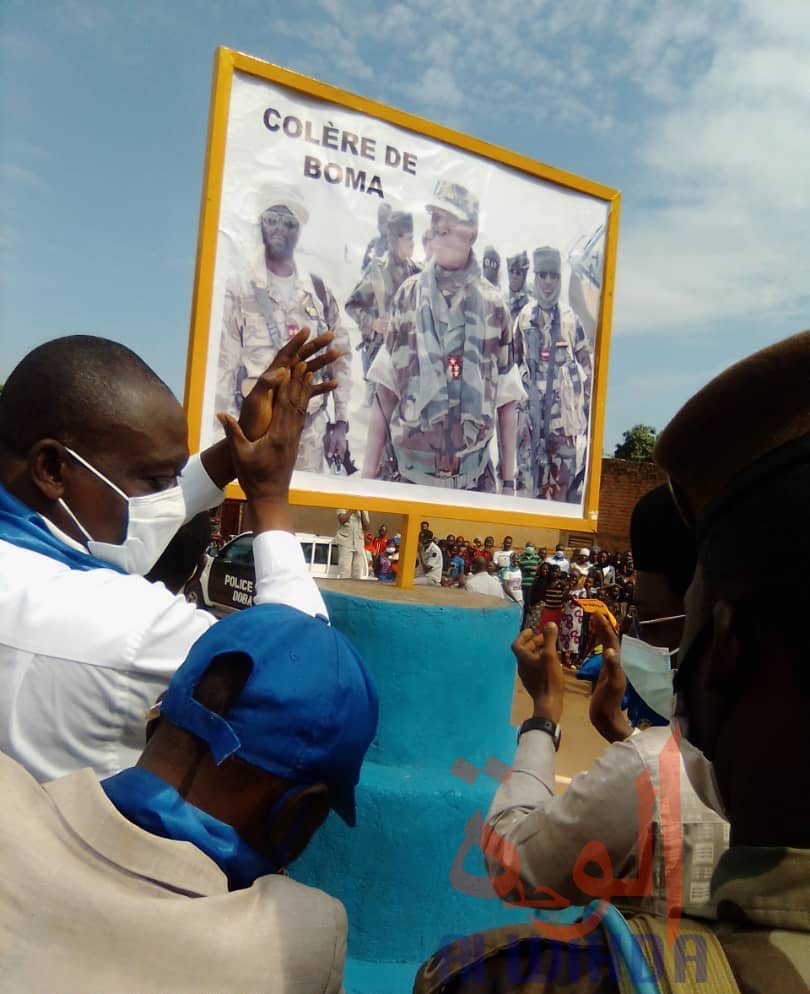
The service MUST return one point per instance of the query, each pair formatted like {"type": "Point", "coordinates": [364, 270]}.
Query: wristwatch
{"type": "Point", "coordinates": [542, 725]}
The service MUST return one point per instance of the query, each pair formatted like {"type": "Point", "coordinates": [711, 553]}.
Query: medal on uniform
{"type": "Point", "coordinates": [454, 367]}
{"type": "Point", "coordinates": [545, 354]}
{"type": "Point", "coordinates": [292, 329]}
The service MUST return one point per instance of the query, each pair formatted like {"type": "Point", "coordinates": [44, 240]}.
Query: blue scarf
{"type": "Point", "coordinates": [21, 526]}
{"type": "Point", "coordinates": [153, 805]}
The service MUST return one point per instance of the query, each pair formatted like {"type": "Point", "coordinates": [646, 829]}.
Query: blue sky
{"type": "Point", "coordinates": [698, 113]}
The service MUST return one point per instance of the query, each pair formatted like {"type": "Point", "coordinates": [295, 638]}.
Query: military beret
{"type": "Point", "coordinates": [400, 223]}
{"type": "Point", "coordinates": [546, 258]}
{"type": "Point", "coordinates": [519, 261]}
{"type": "Point", "coordinates": [456, 200]}
{"type": "Point", "coordinates": [740, 429]}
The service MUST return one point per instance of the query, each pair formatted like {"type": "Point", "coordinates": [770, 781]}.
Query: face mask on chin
{"type": "Point", "coordinates": [152, 521]}
{"type": "Point", "coordinates": [649, 670]}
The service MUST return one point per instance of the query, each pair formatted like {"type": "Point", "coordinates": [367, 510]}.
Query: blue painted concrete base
{"type": "Point", "coordinates": [411, 873]}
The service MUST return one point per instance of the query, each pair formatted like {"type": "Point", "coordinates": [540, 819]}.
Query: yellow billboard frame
{"type": "Point", "coordinates": [226, 62]}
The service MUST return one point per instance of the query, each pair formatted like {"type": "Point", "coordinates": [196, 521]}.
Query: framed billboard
{"type": "Point", "coordinates": [469, 289]}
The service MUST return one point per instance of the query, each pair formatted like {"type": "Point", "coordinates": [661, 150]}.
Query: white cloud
{"type": "Point", "coordinates": [729, 162]}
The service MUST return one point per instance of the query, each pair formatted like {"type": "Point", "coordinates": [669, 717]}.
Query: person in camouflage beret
{"type": "Point", "coordinates": [742, 696]}
{"type": "Point", "coordinates": [369, 303]}
{"type": "Point", "coordinates": [446, 375]}
{"type": "Point", "coordinates": [264, 309]}
{"type": "Point", "coordinates": [556, 365]}
{"type": "Point", "coordinates": [520, 291]}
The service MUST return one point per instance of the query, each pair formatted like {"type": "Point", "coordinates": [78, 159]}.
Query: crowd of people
{"type": "Point", "coordinates": [161, 769]}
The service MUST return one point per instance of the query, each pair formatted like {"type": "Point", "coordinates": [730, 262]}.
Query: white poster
{"type": "Point", "coordinates": [464, 294]}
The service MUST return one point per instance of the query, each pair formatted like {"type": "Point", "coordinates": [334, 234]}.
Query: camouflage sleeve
{"type": "Point", "coordinates": [362, 305]}
{"type": "Point", "coordinates": [584, 356]}
{"type": "Point", "coordinates": [230, 352]}
{"type": "Point", "coordinates": [398, 339]}
{"type": "Point", "coordinates": [506, 352]}
{"type": "Point", "coordinates": [341, 369]}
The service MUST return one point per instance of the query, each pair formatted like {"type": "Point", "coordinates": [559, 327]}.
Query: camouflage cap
{"type": "Point", "coordinates": [519, 261]}
{"type": "Point", "coordinates": [546, 257]}
{"type": "Point", "coordinates": [278, 195]}
{"type": "Point", "coordinates": [456, 200]}
{"type": "Point", "coordinates": [400, 223]}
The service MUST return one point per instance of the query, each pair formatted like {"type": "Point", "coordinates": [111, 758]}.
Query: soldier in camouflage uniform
{"type": "Point", "coordinates": [446, 375]}
{"type": "Point", "coordinates": [378, 245]}
{"type": "Point", "coordinates": [264, 310]}
{"type": "Point", "coordinates": [520, 293]}
{"type": "Point", "coordinates": [492, 265]}
{"type": "Point", "coordinates": [556, 364]}
{"type": "Point", "coordinates": [737, 672]}
{"type": "Point", "coordinates": [369, 303]}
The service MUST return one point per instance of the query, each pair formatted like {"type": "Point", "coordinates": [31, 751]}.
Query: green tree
{"type": "Point", "coordinates": [637, 445]}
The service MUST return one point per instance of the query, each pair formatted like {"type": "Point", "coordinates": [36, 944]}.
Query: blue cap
{"type": "Point", "coordinates": [308, 711]}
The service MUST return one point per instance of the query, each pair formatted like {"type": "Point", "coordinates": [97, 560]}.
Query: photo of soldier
{"type": "Point", "coordinates": [369, 303]}
{"type": "Point", "coordinates": [263, 310]}
{"type": "Point", "coordinates": [520, 293]}
{"type": "Point", "coordinates": [491, 263]}
{"type": "Point", "coordinates": [379, 243]}
{"type": "Point", "coordinates": [447, 382]}
{"type": "Point", "coordinates": [557, 368]}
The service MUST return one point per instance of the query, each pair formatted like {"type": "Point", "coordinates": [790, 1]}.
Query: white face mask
{"type": "Point", "coordinates": [649, 669]}
{"type": "Point", "coordinates": [152, 522]}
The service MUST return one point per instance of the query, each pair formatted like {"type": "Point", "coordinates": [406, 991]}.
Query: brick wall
{"type": "Point", "coordinates": [623, 482]}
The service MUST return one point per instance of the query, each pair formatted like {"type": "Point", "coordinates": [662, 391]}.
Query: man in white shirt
{"type": "Point", "coordinates": [429, 568]}
{"type": "Point", "coordinates": [94, 481]}
{"type": "Point", "coordinates": [480, 582]}
{"type": "Point", "coordinates": [168, 873]}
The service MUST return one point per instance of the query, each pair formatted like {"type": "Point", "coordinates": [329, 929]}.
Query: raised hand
{"type": "Point", "coordinates": [264, 465]}
{"type": "Point", "coordinates": [605, 709]}
{"type": "Point", "coordinates": [540, 670]}
{"type": "Point", "coordinates": [256, 411]}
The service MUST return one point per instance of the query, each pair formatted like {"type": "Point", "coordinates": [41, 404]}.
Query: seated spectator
{"type": "Point", "coordinates": [95, 483]}
{"type": "Point", "coordinates": [381, 541]}
{"type": "Point", "coordinates": [429, 567]}
{"type": "Point", "coordinates": [480, 581]}
{"type": "Point", "coordinates": [456, 565]}
{"type": "Point", "coordinates": [385, 564]}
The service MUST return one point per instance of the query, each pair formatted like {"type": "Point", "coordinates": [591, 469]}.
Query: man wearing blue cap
{"type": "Point", "coordinates": [165, 877]}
